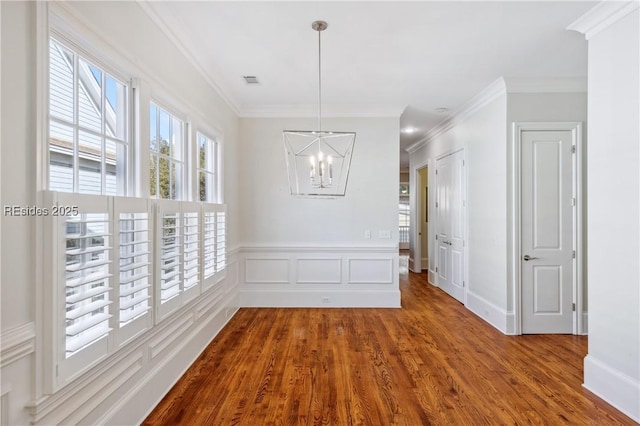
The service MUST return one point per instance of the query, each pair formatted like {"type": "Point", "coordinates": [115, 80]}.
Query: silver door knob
{"type": "Point", "coordinates": [527, 257]}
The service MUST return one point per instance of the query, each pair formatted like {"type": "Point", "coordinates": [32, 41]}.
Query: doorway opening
{"type": "Point", "coordinates": [419, 256]}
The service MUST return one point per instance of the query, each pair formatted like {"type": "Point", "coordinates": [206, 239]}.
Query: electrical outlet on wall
{"type": "Point", "coordinates": [384, 234]}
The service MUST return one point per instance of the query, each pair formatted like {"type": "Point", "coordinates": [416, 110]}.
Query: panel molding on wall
{"type": "Point", "coordinates": [136, 378]}
{"type": "Point", "coordinates": [371, 271]}
{"type": "Point", "coordinates": [16, 343]}
{"type": "Point", "coordinates": [284, 276]}
{"type": "Point", "coordinates": [319, 271]}
{"type": "Point", "coordinates": [266, 271]}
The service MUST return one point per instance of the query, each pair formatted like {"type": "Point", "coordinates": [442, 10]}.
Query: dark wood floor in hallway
{"type": "Point", "coordinates": [431, 362]}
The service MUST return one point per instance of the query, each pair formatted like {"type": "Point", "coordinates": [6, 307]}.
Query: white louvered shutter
{"type": "Point", "coordinates": [87, 280]}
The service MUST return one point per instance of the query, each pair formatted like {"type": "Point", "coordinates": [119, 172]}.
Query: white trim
{"type": "Point", "coordinates": [269, 277]}
{"type": "Point", "coordinates": [205, 72]}
{"type": "Point", "coordinates": [487, 311]}
{"type": "Point", "coordinates": [312, 299]}
{"type": "Point", "coordinates": [382, 280]}
{"type": "Point", "coordinates": [415, 262]}
{"type": "Point", "coordinates": [16, 343]}
{"type": "Point", "coordinates": [515, 208]}
{"type": "Point", "coordinates": [328, 111]}
{"type": "Point", "coordinates": [602, 16]}
{"type": "Point", "coordinates": [84, 396]}
{"type": "Point", "coordinates": [496, 89]}
{"type": "Point", "coordinates": [285, 248]}
{"type": "Point", "coordinates": [487, 95]}
{"type": "Point", "coordinates": [141, 398]}
{"type": "Point", "coordinates": [615, 387]}
{"type": "Point", "coordinates": [72, 25]}
{"type": "Point", "coordinates": [585, 323]}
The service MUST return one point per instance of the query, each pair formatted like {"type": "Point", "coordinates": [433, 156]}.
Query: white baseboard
{"type": "Point", "coordinates": [585, 324]}
{"type": "Point", "coordinates": [320, 299]}
{"type": "Point", "coordinates": [511, 324]}
{"type": "Point", "coordinates": [615, 387]}
{"type": "Point", "coordinates": [433, 278]}
{"type": "Point", "coordinates": [486, 310]}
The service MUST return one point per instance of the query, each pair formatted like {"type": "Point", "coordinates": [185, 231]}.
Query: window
{"type": "Point", "coordinates": [403, 219]}
{"type": "Point", "coordinates": [207, 169]}
{"type": "Point", "coordinates": [166, 134]}
{"type": "Point", "coordinates": [88, 127]}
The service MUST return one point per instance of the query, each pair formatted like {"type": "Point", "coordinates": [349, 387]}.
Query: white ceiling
{"type": "Point", "coordinates": [378, 57]}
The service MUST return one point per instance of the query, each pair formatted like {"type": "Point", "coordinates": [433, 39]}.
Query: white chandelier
{"type": "Point", "coordinates": [318, 161]}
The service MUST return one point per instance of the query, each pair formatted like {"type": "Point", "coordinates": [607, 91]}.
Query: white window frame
{"type": "Point", "coordinates": [49, 246]}
{"type": "Point", "coordinates": [182, 187]}
{"type": "Point", "coordinates": [124, 182]}
{"type": "Point", "coordinates": [212, 169]}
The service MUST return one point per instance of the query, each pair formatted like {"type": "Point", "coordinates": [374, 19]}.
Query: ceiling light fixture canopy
{"type": "Point", "coordinates": [318, 161]}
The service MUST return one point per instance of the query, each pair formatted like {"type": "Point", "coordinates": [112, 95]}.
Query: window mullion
{"type": "Point", "coordinates": [76, 133]}
{"type": "Point", "coordinates": [103, 130]}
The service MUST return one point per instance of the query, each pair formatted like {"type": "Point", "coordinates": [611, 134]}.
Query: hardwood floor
{"type": "Point", "coordinates": [431, 362]}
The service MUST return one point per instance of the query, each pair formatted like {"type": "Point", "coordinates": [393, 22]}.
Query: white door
{"type": "Point", "coordinates": [450, 192]}
{"type": "Point", "coordinates": [547, 232]}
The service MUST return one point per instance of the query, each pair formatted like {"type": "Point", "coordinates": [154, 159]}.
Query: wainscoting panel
{"type": "Point", "coordinates": [319, 277]}
{"type": "Point", "coordinates": [319, 271]}
{"type": "Point", "coordinates": [266, 271]}
{"type": "Point", "coordinates": [371, 271]}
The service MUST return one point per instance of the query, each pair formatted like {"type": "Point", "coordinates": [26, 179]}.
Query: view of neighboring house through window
{"type": "Point", "coordinates": [207, 168]}
{"type": "Point", "coordinates": [88, 127]}
{"type": "Point", "coordinates": [166, 134]}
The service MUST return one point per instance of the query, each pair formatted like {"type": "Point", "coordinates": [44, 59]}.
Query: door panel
{"type": "Point", "coordinates": [443, 177]}
{"type": "Point", "coordinates": [450, 197]}
{"type": "Point", "coordinates": [443, 270]}
{"type": "Point", "coordinates": [547, 232]}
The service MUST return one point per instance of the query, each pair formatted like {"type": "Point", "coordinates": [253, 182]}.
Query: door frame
{"type": "Point", "coordinates": [415, 202]}
{"type": "Point", "coordinates": [575, 127]}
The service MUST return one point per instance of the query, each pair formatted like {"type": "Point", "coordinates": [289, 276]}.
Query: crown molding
{"type": "Point", "coordinates": [173, 34]}
{"type": "Point", "coordinates": [602, 16]}
{"type": "Point", "coordinates": [487, 95]}
{"type": "Point", "coordinates": [502, 86]}
{"type": "Point", "coordinates": [311, 111]}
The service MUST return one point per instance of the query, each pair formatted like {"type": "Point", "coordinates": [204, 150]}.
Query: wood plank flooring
{"type": "Point", "coordinates": [430, 363]}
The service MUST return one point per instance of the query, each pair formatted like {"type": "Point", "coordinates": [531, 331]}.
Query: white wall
{"type": "Point", "coordinates": [272, 216]}
{"type": "Point", "coordinates": [483, 136]}
{"type": "Point", "coordinates": [541, 107]}
{"type": "Point", "coordinates": [483, 128]}
{"type": "Point", "coordinates": [16, 287]}
{"type": "Point", "coordinates": [612, 367]}
{"type": "Point", "coordinates": [123, 388]}
{"type": "Point", "coordinates": [276, 225]}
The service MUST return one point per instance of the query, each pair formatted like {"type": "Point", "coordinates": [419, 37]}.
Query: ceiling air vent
{"type": "Point", "coordinates": [250, 79]}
